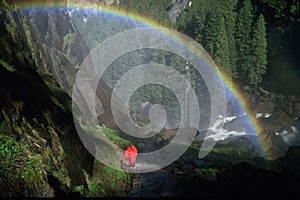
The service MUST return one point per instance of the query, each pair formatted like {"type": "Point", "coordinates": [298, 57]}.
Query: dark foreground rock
{"type": "Point", "coordinates": [155, 184]}
{"type": "Point", "coordinates": [242, 180]}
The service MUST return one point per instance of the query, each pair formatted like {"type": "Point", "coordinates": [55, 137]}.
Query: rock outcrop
{"type": "Point", "coordinates": [277, 117]}
{"type": "Point", "coordinates": [243, 180]}
{"type": "Point", "coordinates": [35, 115]}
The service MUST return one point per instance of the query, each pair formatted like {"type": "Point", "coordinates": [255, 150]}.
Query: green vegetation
{"type": "Point", "coordinates": [106, 181]}
{"type": "Point", "coordinates": [111, 182]}
{"type": "Point", "coordinates": [95, 189]}
{"type": "Point", "coordinates": [115, 137]}
{"type": "Point", "coordinates": [153, 9]}
{"type": "Point", "coordinates": [103, 133]}
{"type": "Point", "coordinates": [230, 31]}
{"type": "Point", "coordinates": [222, 49]}
{"type": "Point", "coordinates": [259, 52]}
{"type": "Point", "coordinates": [284, 10]}
{"type": "Point", "coordinates": [7, 66]}
{"type": "Point", "coordinates": [19, 165]}
{"type": "Point", "coordinates": [209, 171]}
{"type": "Point", "coordinates": [68, 39]}
{"type": "Point", "coordinates": [60, 98]}
{"type": "Point", "coordinates": [225, 156]}
{"type": "Point", "coordinates": [115, 180]}
{"type": "Point", "coordinates": [225, 29]}
{"type": "Point", "coordinates": [243, 36]}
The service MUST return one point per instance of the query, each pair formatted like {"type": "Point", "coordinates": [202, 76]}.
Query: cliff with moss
{"type": "Point", "coordinates": [40, 151]}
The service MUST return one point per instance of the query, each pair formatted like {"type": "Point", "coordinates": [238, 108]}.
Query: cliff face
{"type": "Point", "coordinates": [55, 45]}
{"type": "Point", "coordinates": [41, 152]}
{"type": "Point", "coordinates": [175, 8]}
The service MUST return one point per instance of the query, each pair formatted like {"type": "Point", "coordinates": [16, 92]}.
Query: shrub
{"type": "Point", "coordinates": [19, 170]}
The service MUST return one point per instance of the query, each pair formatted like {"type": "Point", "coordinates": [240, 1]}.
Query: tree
{"type": "Point", "coordinates": [156, 10]}
{"type": "Point", "coordinates": [259, 52]}
{"type": "Point", "coordinates": [243, 37]}
{"type": "Point", "coordinates": [200, 17]}
{"type": "Point", "coordinates": [230, 19]}
{"type": "Point", "coordinates": [210, 32]}
{"type": "Point", "coordinates": [221, 49]}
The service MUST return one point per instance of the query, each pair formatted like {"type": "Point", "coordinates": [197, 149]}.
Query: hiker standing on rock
{"type": "Point", "coordinates": [131, 154]}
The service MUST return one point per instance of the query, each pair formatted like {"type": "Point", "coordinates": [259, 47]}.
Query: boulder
{"type": "Point", "coordinates": [264, 107]}
{"type": "Point", "coordinates": [277, 122]}
{"type": "Point", "coordinates": [198, 187]}
{"type": "Point", "coordinates": [241, 178]}
{"type": "Point", "coordinates": [296, 110]}
{"type": "Point", "coordinates": [292, 161]}
{"type": "Point", "coordinates": [274, 145]}
{"type": "Point", "coordinates": [43, 191]}
{"type": "Point", "coordinates": [245, 143]}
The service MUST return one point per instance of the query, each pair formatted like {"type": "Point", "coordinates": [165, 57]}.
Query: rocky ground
{"type": "Point", "coordinates": [226, 171]}
{"type": "Point", "coordinates": [155, 184]}
{"type": "Point", "coordinates": [185, 178]}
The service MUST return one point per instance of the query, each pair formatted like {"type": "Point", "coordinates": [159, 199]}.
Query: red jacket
{"type": "Point", "coordinates": [130, 153]}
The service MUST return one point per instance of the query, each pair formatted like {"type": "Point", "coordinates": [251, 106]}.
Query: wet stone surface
{"type": "Point", "coordinates": [155, 184]}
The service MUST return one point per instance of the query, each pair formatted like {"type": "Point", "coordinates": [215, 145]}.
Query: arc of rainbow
{"type": "Point", "coordinates": [132, 15]}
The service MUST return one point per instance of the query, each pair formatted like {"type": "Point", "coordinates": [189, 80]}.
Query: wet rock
{"type": "Point", "coordinates": [187, 167]}
{"type": "Point", "coordinates": [293, 155]}
{"type": "Point", "coordinates": [167, 194]}
{"type": "Point", "coordinates": [240, 124]}
{"type": "Point", "coordinates": [197, 187]}
{"type": "Point", "coordinates": [43, 191]}
{"type": "Point", "coordinates": [278, 122]}
{"type": "Point", "coordinates": [245, 143]}
{"type": "Point", "coordinates": [292, 160]}
{"type": "Point", "coordinates": [154, 184]}
{"type": "Point", "coordinates": [175, 8]}
{"type": "Point", "coordinates": [296, 110]}
{"type": "Point", "coordinates": [197, 172]}
{"type": "Point", "coordinates": [275, 146]}
{"type": "Point", "coordinates": [199, 163]}
{"type": "Point", "coordinates": [264, 107]}
{"type": "Point", "coordinates": [240, 179]}
{"type": "Point", "coordinates": [209, 177]}
{"type": "Point", "coordinates": [141, 145]}
{"type": "Point", "coordinates": [178, 172]}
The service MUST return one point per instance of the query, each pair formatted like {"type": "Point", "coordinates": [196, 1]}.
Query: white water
{"type": "Point", "coordinates": [265, 115]}
{"type": "Point", "coordinates": [220, 132]}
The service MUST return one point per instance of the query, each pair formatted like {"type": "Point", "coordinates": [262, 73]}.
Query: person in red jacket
{"type": "Point", "coordinates": [131, 154]}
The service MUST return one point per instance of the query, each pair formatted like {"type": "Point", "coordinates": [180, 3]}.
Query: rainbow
{"type": "Point", "coordinates": [255, 125]}
{"type": "Point", "coordinates": [132, 15]}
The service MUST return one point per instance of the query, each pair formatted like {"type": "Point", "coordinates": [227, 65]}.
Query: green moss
{"type": "Point", "coordinates": [48, 117]}
{"type": "Point", "coordinates": [60, 98]}
{"type": "Point", "coordinates": [7, 66]}
{"type": "Point", "coordinates": [62, 175]}
{"type": "Point", "coordinates": [2, 126]}
{"type": "Point", "coordinates": [18, 165]}
{"type": "Point", "coordinates": [68, 39]}
{"type": "Point", "coordinates": [106, 181]}
{"type": "Point", "coordinates": [114, 137]}
{"type": "Point", "coordinates": [111, 183]}
{"type": "Point", "coordinates": [103, 133]}
{"type": "Point", "coordinates": [80, 189]}
{"type": "Point", "coordinates": [58, 103]}
{"type": "Point", "coordinates": [115, 181]}
{"type": "Point", "coordinates": [209, 171]}
{"type": "Point", "coordinates": [95, 189]}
